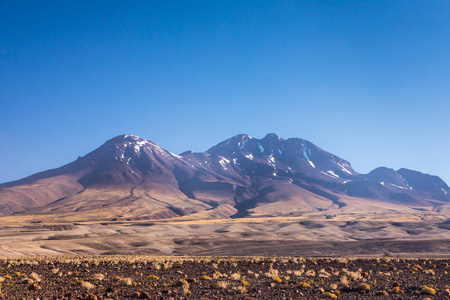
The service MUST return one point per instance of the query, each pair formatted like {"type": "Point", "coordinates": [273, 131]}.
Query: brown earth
{"type": "Point", "coordinates": [350, 234]}
{"type": "Point", "coordinates": [140, 277]}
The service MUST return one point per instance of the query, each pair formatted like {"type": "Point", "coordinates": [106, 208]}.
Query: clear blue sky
{"type": "Point", "coordinates": [366, 80]}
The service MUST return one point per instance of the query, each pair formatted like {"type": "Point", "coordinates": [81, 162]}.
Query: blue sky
{"type": "Point", "coordinates": [365, 80]}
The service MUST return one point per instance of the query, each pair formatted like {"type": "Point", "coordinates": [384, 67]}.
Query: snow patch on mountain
{"type": "Point", "coordinates": [343, 168]}
{"type": "Point", "coordinates": [397, 186]}
{"type": "Point", "coordinates": [261, 148]}
{"type": "Point", "coordinates": [223, 162]}
{"type": "Point", "coordinates": [177, 156]}
{"type": "Point", "coordinates": [307, 158]}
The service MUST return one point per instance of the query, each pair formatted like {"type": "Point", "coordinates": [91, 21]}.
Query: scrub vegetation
{"type": "Point", "coordinates": [147, 277]}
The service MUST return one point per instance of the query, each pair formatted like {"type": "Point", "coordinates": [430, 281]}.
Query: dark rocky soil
{"type": "Point", "coordinates": [131, 277]}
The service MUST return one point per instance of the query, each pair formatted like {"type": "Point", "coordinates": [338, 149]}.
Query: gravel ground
{"type": "Point", "coordinates": [137, 277]}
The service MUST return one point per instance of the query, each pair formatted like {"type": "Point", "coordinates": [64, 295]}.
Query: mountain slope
{"type": "Point", "coordinates": [129, 178]}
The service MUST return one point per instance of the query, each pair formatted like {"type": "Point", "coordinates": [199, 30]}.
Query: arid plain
{"type": "Point", "coordinates": [351, 233]}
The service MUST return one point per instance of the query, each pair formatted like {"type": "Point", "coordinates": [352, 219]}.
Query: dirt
{"type": "Point", "coordinates": [139, 277]}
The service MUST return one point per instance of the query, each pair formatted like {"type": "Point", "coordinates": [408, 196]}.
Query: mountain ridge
{"type": "Point", "coordinates": [240, 176]}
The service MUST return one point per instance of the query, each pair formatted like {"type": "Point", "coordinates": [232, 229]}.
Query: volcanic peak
{"type": "Point", "coordinates": [240, 174]}
{"type": "Point", "coordinates": [270, 137]}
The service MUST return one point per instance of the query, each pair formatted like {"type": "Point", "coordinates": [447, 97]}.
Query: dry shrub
{"type": "Point", "coordinates": [426, 290]}
{"type": "Point", "coordinates": [217, 275]}
{"type": "Point", "coordinates": [364, 287]}
{"type": "Point", "coordinates": [329, 295]}
{"type": "Point", "coordinates": [240, 289]}
{"type": "Point", "coordinates": [127, 281]}
{"type": "Point", "coordinates": [304, 285]}
{"type": "Point", "coordinates": [222, 284]}
{"type": "Point", "coordinates": [35, 276]}
{"type": "Point", "coordinates": [87, 285]}
{"type": "Point", "coordinates": [277, 279]}
{"type": "Point", "coordinates": [99, 276]}
{"type": "Point", "coordinates": [271, 273]}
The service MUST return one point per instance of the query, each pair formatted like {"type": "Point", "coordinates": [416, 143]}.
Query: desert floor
{"type": "Point", "coordinates": [312, 235]}
{"type": "Point", "coordinates": [153, 277]}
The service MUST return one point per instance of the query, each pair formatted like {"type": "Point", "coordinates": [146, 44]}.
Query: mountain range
{"type": "Point", "coordinates": [129, 178]}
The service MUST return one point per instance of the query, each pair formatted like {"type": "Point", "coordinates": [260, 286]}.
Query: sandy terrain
{"type": "Point", "coordinates": [310, 235]}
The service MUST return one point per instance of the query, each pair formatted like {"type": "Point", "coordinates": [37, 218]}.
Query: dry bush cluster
{"type": "Point", "coordinates": [141, 277]}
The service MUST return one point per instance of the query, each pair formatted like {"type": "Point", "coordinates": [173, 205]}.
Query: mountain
{"type": "Point", "coordinates": [129, 178]}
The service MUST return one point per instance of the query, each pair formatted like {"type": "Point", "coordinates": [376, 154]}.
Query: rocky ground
{"type": "Point", "coordinates": [139, 277]}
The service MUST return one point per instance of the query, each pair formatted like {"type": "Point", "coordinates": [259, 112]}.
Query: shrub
{"type": "Point", "coordinates": [182, 282]}
{"type": "Point", "coordinates": [244, 282]}
{"type": "Point", "coordinates": [127, 281]}
{"type": "Point", "coordinates": [35, 276]}
{"type": "Point", "coordinates": [87, 285]}
{"type": "Point", "coordinates": [355, 275]}
{"type": "Point", "coordinates": [277, 279]}
{"type": "Point", "coordinates": [26, 281]}
{"type": "Point", "coordinates": [329, 295]}
{"type": "Point", "coordinates": [240, 289]}
{"type": "Point", "coordinates": [222, 284]}
{"type": "Point", "coordinates": [186, 290]}
{"type": "Point", "coordinates": [426, 290]}
{"type": "Point", "coordinates": [99, 276]}
{"type": "Point", "coordinates": [271, 273]}
{"type": "Point", "coordinates": [364, 287]}
{"type": "Point", "coordinates": [416, 268]}
{"type": "Point", "coordinates": [304, 285]}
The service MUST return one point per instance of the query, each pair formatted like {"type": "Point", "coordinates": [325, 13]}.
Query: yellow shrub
{"type": "Point", "coordinates": [277, 279]}
{"type": "Point", "coordinates": [329, 295]}
{"type": "Point", "coordinates": [304, 285]}
{"type": "Point", "coordinates": [244, 282]}
{"type": "Point", "coordinates": [426, 290]}
{"type": "Point", "coordinates": [364, 287]}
